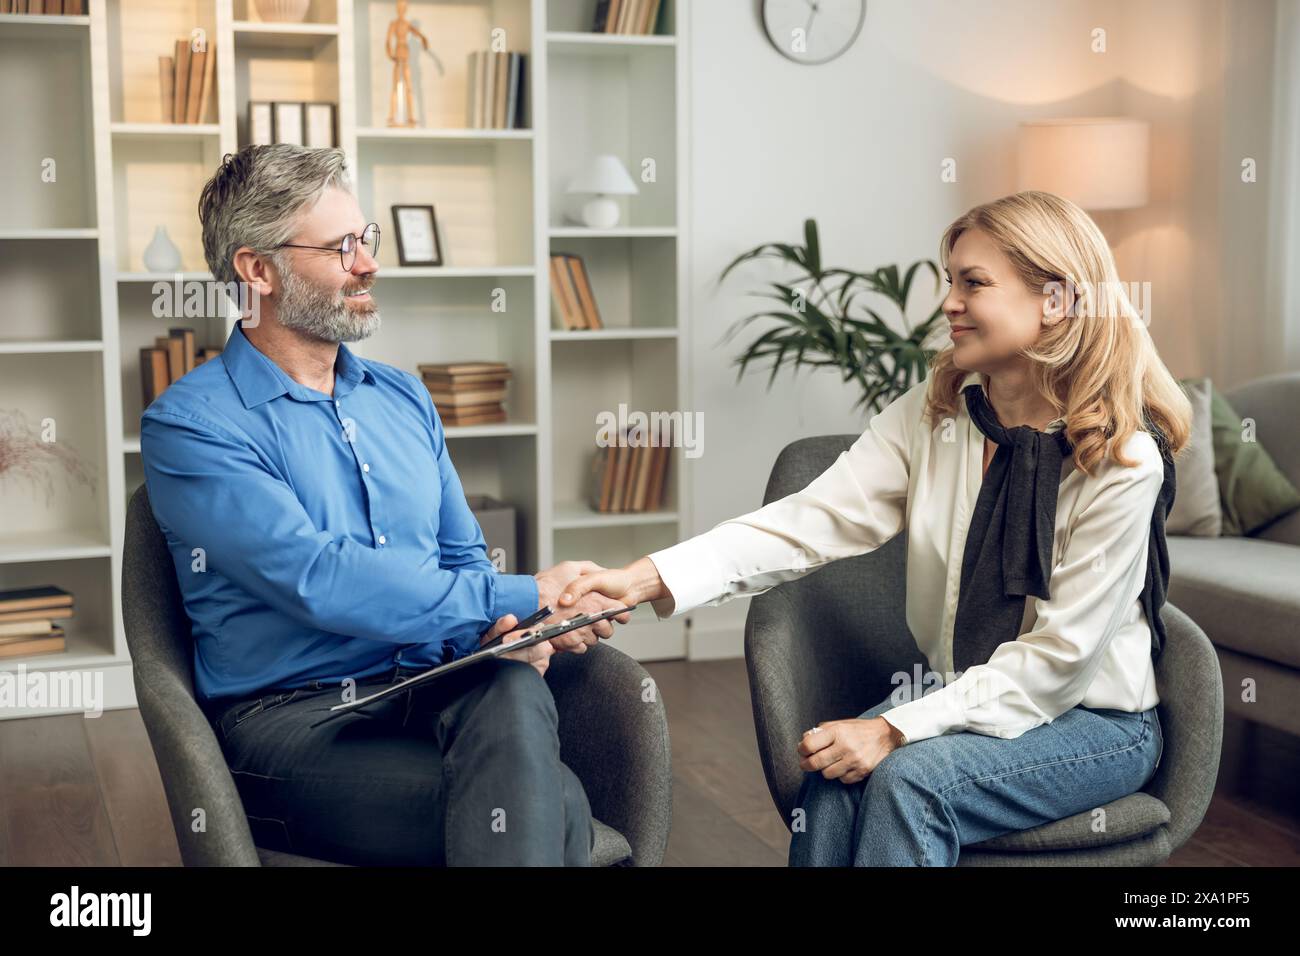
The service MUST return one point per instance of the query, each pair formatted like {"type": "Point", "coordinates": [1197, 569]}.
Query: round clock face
{"type": "Point", "coordinates": [813, 31]}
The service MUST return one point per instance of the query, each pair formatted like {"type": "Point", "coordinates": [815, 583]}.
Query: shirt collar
{"type": "Point", "coordinates": [978, 378]}
{"type": "Point", "coordinates": [258, 379]}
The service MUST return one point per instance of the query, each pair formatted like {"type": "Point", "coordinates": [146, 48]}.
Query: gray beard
{"type": "Point", "coordinates": [323, 315]}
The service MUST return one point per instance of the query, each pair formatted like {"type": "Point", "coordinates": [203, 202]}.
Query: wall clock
{"type": "Point", "coordinates": [813, 31]}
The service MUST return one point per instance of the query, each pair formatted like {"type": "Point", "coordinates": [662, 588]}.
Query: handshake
{"type": "Point", "coordinates": [582, 587]}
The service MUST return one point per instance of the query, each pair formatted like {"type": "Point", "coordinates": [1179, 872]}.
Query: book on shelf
{"type": "Point", "coordinates": [630, 476]}
{"type": "Point", "coordinates": [171, 356]}
{"type": "Point", "coordinates": [572, 296]}
{"type": "Point", "coordinates": [636, 17]}
{"type": "Point", "coordinates": [467, 393]}
{"type": "Point", "coordinates": [27, 617]}
{"type": "Point", "coordinates": [495, 81]}
{"type": "Point", "coordinates": [67, 8]}
{"type": "Point", "coordinates": [185, 82]}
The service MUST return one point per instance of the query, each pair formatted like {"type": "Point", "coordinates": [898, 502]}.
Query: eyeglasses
{"type": "Point", "coordinates": [347, 248]}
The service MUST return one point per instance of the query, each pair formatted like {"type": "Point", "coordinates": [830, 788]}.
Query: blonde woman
{"type": "Point", "coordinates": [1033, 470]}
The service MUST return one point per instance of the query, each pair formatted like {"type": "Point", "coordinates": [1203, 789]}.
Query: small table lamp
{"type": "Point", "coordinates": [1098, 162]}
{"type": "Point", "coordinates": [605, 177]}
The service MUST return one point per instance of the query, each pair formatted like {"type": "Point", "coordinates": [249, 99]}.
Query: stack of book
{"type": "Point", "coordinates": [68, 8]}
{"type": "Point", "coordinates": [496, 89]}
{"type": "Point", "coordinates": [467, 393]}
{"type": "Point", "coordinates": [572, 297]}
{"type": "Point", "coordinates": [27, 617]}
{"type": "Point", "coordinates": [185, 83]}
{"type": "Point", "coordinates": [626, 16]}
{"type": "Point", "coordinates": [170, 357]}
{"type": "Point", "coordinates": [632, 475]}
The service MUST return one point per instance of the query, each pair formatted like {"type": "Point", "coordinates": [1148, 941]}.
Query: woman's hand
{"type": "Point", "coordinates": [848, 750]}
{"type": "Point", "coordinates": [637, 582]}
{"type": "Point", "coordinates": [539, 655]}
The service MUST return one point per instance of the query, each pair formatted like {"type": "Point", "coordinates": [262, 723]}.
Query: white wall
{"type": "Point", "coordinates": [858, 144]}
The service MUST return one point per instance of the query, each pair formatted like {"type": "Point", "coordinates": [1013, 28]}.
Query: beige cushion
{"type": "Point", "coordinates": [1196, 500]}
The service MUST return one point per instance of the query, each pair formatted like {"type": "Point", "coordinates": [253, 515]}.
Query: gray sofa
{"type": "Point", "coordinates": [1244, 592]}
{"type": "Point", "coordinates": [615, 742]}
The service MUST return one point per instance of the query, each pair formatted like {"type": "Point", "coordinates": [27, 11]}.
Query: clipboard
{"type": "Point", "coordinates": [490, 652]}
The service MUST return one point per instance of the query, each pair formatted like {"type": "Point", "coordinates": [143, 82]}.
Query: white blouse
{"type": "Point", "coordinates": [1089, 644]}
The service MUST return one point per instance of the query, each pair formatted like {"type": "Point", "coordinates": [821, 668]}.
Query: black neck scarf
{"type": "Point", "coordinates": [1008, 553]}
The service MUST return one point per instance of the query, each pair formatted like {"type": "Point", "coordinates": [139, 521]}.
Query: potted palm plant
{"type": "Point", "coordinates": [824, 321]}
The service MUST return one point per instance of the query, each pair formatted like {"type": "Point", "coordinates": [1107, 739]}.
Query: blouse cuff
{"type": "Point", "coordinates": [936, 713]}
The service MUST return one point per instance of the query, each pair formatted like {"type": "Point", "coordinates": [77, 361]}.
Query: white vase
{"type": "Point", "coordinates": [283, 11]}
{"type": "Point", "coordinates": [161, 255]}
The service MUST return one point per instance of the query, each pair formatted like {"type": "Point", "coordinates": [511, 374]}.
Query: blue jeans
{"type": "Point", "coordinates": [928, 799]}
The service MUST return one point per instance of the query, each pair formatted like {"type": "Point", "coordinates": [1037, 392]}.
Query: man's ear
{"type": "Point", "coordinates": [255, 270]}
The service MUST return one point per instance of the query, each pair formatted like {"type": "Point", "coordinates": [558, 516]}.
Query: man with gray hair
{"type": "Point", "coordinates": [324, 549]}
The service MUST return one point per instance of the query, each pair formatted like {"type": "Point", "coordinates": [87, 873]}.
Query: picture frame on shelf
{"type": "Point", "coordinates": [261, 123]}
{"type": "Point", "coordinates": [320, 125]}
{"type": "Point", "coordinates": [416, 228]}
{"type": "Point", "coordinates": [289, 123]}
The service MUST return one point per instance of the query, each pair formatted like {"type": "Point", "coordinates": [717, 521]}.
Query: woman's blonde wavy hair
{"type": "Point", "coordinates": [1097, 367]}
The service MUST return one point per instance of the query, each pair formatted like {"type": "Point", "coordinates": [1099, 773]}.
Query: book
{"type": "Point", "coordinates": [153, 373]}
{"type": "Point", "coordinates": [502, 100]}
{"type": "Point", "coordinates": [457, 399]}
{"type": "Point", "coordinates": [53, 644]}
{"type": "Point", "coordinates": [456, 368]}
{"type": "Point", "coordinates": [16, 630]}
{"type": "Point", "coordinates": [174, 349]}
{"type": "Point", "coordinates": [40, 614]}
{"type": "Point", "coordinates": [194, 85]}
{"type": "Point", "coordinates": [31, 599]}
{"type": "Point", "coordinates": [186, 337]}
{"type": "Point", "coordinates": [563, 297]}
{"type": "Point", "coordinates": [209, 70]}
{"type": "Point", "coordinates": [586, 297]}
{"type": "Point", "coordinates": [167, 86]}
{"type": "Point", "coordinates": [490, 418]}
{"type": "Point", "coordinates": [437, 383]}
{"type": "Point", "coordinates": [181, 90]}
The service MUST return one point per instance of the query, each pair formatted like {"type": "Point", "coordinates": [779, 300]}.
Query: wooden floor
{"type": "Point", "coordinates": [81, 792]}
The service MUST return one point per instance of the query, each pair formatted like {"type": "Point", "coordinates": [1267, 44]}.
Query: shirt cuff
{"type": "Point", "coordinates": [516, 594]}
{"type": "Point", "coordinates": [687, 571]}
{"type": "Point", "coordinates": [931, 715]}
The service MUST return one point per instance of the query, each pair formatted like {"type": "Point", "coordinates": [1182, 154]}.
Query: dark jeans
{"type": "Point", "coordinates": [463, 771]}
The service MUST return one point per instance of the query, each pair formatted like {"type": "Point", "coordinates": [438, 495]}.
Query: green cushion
{"type": "Point", "coordinates": [1252, 490]}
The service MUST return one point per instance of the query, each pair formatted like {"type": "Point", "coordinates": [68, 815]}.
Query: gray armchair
{"type": "Point", "coordinates": [615, 743]}
{"type": "Point", "coordinates": [824, 647]}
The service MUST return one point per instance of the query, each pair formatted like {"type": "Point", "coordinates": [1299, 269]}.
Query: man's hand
{"type": "Point", "coordinates": [848, 750]}
{"type": "Point", "coordinates": [552, 582]}
{"type": "Point", "coordinates": [539, 655]}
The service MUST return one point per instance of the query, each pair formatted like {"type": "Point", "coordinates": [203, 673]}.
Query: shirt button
{"type": "Point", "coordinates": [383, 540]}
{"type": "Point", "coordinates": [365, 467]}
{"type": "Point", "coordinates": [336, 403]}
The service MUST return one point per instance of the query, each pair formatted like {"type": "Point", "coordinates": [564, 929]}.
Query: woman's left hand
{"type": "Point", "coordinates": [848, 750]}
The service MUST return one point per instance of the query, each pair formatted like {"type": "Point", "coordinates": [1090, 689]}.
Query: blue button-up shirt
{"type": "Point", "coordinates": [316, 538]}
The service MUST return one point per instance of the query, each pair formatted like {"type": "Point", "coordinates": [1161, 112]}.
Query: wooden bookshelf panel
{"type": "Point", "coordinates": [634, 281]}
{"type": "Point", "coordinates": [46, 153]}
{"type": "Point", "coordinates": [139, 32]}
{"type": "Point", "coordinates": [619, 100]}
{"type": "Point", "coordinates": [594, 379]}
{"type": "Point", "coordinates": [139, 327]}
{"type": "Point", "coordinates": [158, 183]}
{"type": "Point", "coordinates": [454, 30]}
{"type": "Point", "coordinates": [41, 491]}
{"type": "Point", "coordinates": [506, 469]}
{"type": "Point", "coordinates": [90, 629]}
{"type": "Point", "coordinates": [306, 73]}
{"type": "Point", "coordinates": [578, 16]}
{"type": "Point", "coordinates": [481, 192]}
{"type": "Point", "coordinates": [448, 320]}
{"type": "Point", "coordinates": [319, 11]}
{"type": "Point", "coordinates": [51, 290]}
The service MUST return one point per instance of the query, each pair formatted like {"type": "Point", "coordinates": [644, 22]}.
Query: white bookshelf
{"type": "Point", "coordinates": [72, 257]}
